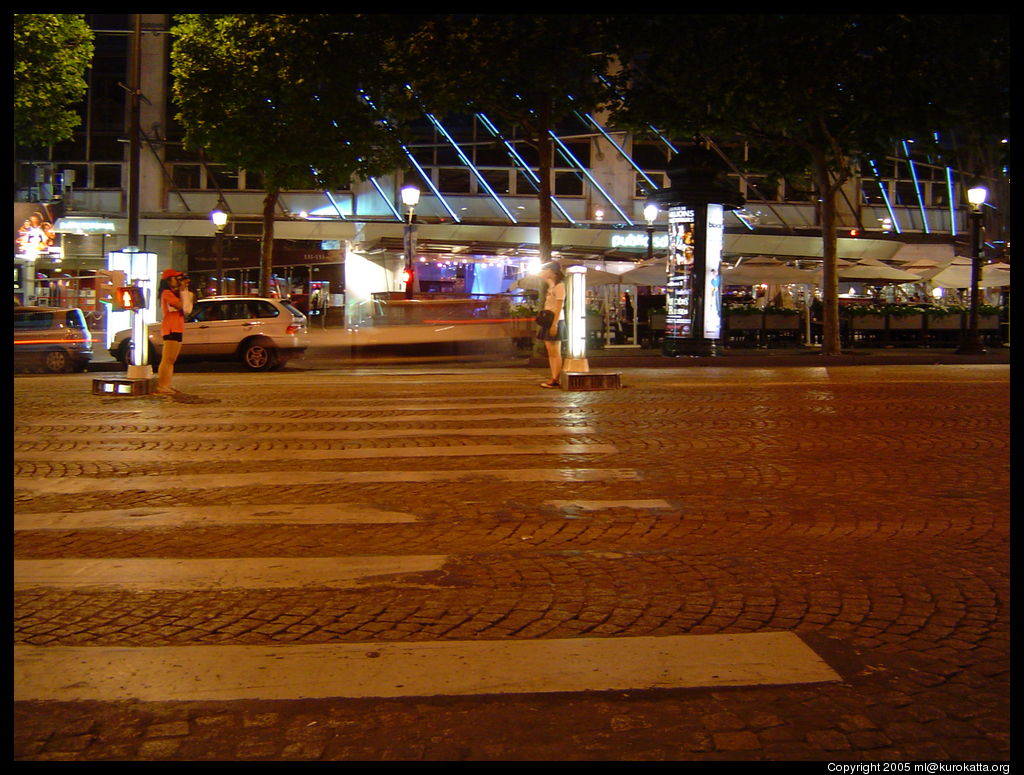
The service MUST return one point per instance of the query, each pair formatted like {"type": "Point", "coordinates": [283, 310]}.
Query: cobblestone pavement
{"type": "Point", "coordinates": [865, 509]}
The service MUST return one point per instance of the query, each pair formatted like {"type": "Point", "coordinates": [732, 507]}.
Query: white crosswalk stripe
{"type": "Point", "coordinates": [368, 669]}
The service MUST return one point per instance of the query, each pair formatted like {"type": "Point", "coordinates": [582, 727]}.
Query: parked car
{"type": "Point", "coordinates": [261, 333]}
{"type": "Point", "coordinates": [57, 339]}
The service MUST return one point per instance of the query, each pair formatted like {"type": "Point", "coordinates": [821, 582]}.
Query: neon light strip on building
{"type": "Point", "coordinates": [917, 188]}
{"type": "Point", "coordinates": [885, 197]}
{"type": "Point", "coordinates": [952, 201]}
{"type": "Point", "coordinates": [586, 173]}
{"type": "Point", "coordinates": [587, 118]}
{"type": "Point", "coordinates": [416, 164]}
{"type": "Point", "coordinates": [465, 160]}
{"type": "Point", "coordinates": [530, 174]}
{"type": "Point", "coordinates": [386, 198]}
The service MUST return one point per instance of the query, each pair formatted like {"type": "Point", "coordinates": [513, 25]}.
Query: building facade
{"type": "Point", "coordinates": [476, 221]}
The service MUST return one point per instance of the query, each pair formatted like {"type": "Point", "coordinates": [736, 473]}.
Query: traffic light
{"type": "Point", "coordinates": [107, 283]}
{"type": "Point", "coordinates": [407, 277]}
{"type": "Point", "coordinates": [130, 297]}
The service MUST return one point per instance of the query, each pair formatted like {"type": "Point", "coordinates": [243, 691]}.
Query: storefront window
{"type": "Point", "coordinates": [568, 184]}
{"type": "Point", "coordinates": [497, 180]}
{"type": "Point", "coordinates": [906, 193]}
{"type": "Point", "coordinates": [525, 185]}
{"type": "Point", "coordinates": [186, 175]}
{"type": "Point", "coordinates": [453, 181]}
{"type": "Point", "coordinates": [221, 177]}
{"type": "Point", "coordinates": [106, 176]}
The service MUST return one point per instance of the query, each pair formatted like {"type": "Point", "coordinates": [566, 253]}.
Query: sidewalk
{"type": "Point", "coordinates": [325, 352]}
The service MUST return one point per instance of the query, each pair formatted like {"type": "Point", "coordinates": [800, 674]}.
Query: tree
{"type": "Point", "coordinates": [809, 91]}
{"type": "Point", "coordinates": [51, 54]}
{"type": "Point", "coordinates": [531, 71]}
{"type": "Point", "coordinates": [279, 94]}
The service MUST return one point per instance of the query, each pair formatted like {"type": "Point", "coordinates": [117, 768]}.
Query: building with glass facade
{"type": "Point", "coordinates": [476, 220]}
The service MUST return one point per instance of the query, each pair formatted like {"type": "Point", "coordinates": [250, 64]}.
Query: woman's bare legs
{"type": "Point", "coordinates": [166, 371]}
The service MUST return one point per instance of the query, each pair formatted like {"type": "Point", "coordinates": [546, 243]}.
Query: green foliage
{"type": "Point", "coordinates": [51, 53]}
{"type": "Point", "coordinates": [519, 67]}
{"type": "Point", "coordinates": [280, 94]}
{"type": "Point", "coordinates": [752, 309]}
{"type": "Point", "coordinates": [906, 310]}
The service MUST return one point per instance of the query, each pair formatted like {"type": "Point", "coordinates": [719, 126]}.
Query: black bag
{"type": "Point", "coordinates": [545, 318]}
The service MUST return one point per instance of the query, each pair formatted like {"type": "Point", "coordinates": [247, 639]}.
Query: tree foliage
{"type": "Point", "coordinates": [526, 70]}
{"type": "Point", "coordinates": [51, 53]}
{"type": "Point", "coordinates": [280, 94]}
{"type": "Point", "coordinates": [810, 92]}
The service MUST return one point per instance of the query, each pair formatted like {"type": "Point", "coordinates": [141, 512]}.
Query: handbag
{"type": "Point", "coordinates": [545, 318]}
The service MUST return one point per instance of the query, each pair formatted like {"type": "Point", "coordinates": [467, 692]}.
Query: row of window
{"type": "Point", "coordinates": [508, 182]}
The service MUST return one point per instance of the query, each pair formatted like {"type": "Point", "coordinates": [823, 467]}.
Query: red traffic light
{"type": "Point", "coordinates": [131, 297]}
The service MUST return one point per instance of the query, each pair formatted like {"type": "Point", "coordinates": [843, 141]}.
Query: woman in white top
{"type": "Point", "coordinates": [553, 335]}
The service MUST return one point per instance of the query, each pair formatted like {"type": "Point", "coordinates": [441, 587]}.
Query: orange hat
{"type": "Point", "coordinates": [170, 273]}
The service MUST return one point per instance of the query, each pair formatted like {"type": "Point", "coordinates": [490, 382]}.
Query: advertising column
{"type": "Point", "coordinates": [696, 202]}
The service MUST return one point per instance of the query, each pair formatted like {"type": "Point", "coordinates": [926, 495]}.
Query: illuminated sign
{"type": "Point", "coordinates": [638, 240]}
{"type": "Point", "coordinates": [36, 237]}
{"type": "Point", "coordinates": [713, 242]}
{"type": "Point", "coordinates": [85, 226]}
{"type": "Point", "coordinates": [679, 299]}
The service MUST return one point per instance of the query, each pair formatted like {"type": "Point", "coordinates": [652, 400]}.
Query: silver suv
{"type": "Point", "coordinates": [261, 333]}
{"type": "Point", "coordinates": [53, 338]}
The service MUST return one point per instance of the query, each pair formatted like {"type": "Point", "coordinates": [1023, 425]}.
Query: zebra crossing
{"type": "Point", "coordinates": [532, 430]}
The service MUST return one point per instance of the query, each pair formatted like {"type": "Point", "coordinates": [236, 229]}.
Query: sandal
{"type": "Point", "coordinates": [551, 383]}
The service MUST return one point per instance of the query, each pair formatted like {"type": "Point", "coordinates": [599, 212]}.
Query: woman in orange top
{"type": "Point", "coordinates": [172, 328]}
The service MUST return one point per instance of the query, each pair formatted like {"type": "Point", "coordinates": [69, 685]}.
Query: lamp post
{"type": "Point", "coordinates": [971, 343]}
{"type": "Point", "coordinates": [650, 213]}
{"type": "Point", "coordinates": [410, 198]}
{"type": "Point", "coordinates": [220, 219]}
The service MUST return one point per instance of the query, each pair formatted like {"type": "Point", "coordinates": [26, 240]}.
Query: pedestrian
{"type": "Point", "coordinates": [551, 326]}
{"type": "Point", "coordinates": [172, 328]}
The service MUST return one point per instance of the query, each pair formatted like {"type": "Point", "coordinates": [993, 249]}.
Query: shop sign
{"type": "Point", "coordinates": [639, 240]}
{"type": "Point", "coordinates": [245, 254]}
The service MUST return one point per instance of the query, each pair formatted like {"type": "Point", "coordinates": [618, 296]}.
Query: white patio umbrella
{"type": "Point", "coordinates": [874, 272]}
{"type": "Point", "coordinates": [600, 277]}
{"type": "Point", "coordinates": [772, 274]}
{"type": "Point", "coordinates": [958, 275]}
{"type": "Point", "coordinates": [996, 275]}
{"type": "Point", "coordinates": [653, 273]}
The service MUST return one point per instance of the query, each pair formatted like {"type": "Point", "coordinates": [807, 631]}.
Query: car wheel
{"type": "Point", "coordinates": [124, 353]}
{"type": "Point", "coordinates": [56, 361]}
{"type": "Point", "coordinates": [257, 356]}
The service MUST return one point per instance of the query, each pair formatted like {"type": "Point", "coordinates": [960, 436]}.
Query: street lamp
{"type": "Point", "coordinates": [219, 217]}
{"type": "Point", "coordinates": [971, 343]}
{"type": "Point", "coordinates": [650, 213]}
{"type": "Point", "coordinates": [410, 198]}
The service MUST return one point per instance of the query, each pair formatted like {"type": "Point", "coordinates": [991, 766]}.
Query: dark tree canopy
{"type": "Point", "coordinates": [813, 92]}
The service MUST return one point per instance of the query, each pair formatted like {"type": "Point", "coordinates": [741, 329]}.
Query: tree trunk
{"type": "Point", "coordinates": [545, 150]}
{"type": "Point", "coordinates": [267, 243]}
{"type": "Point", "coordinates": [830, 344]}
